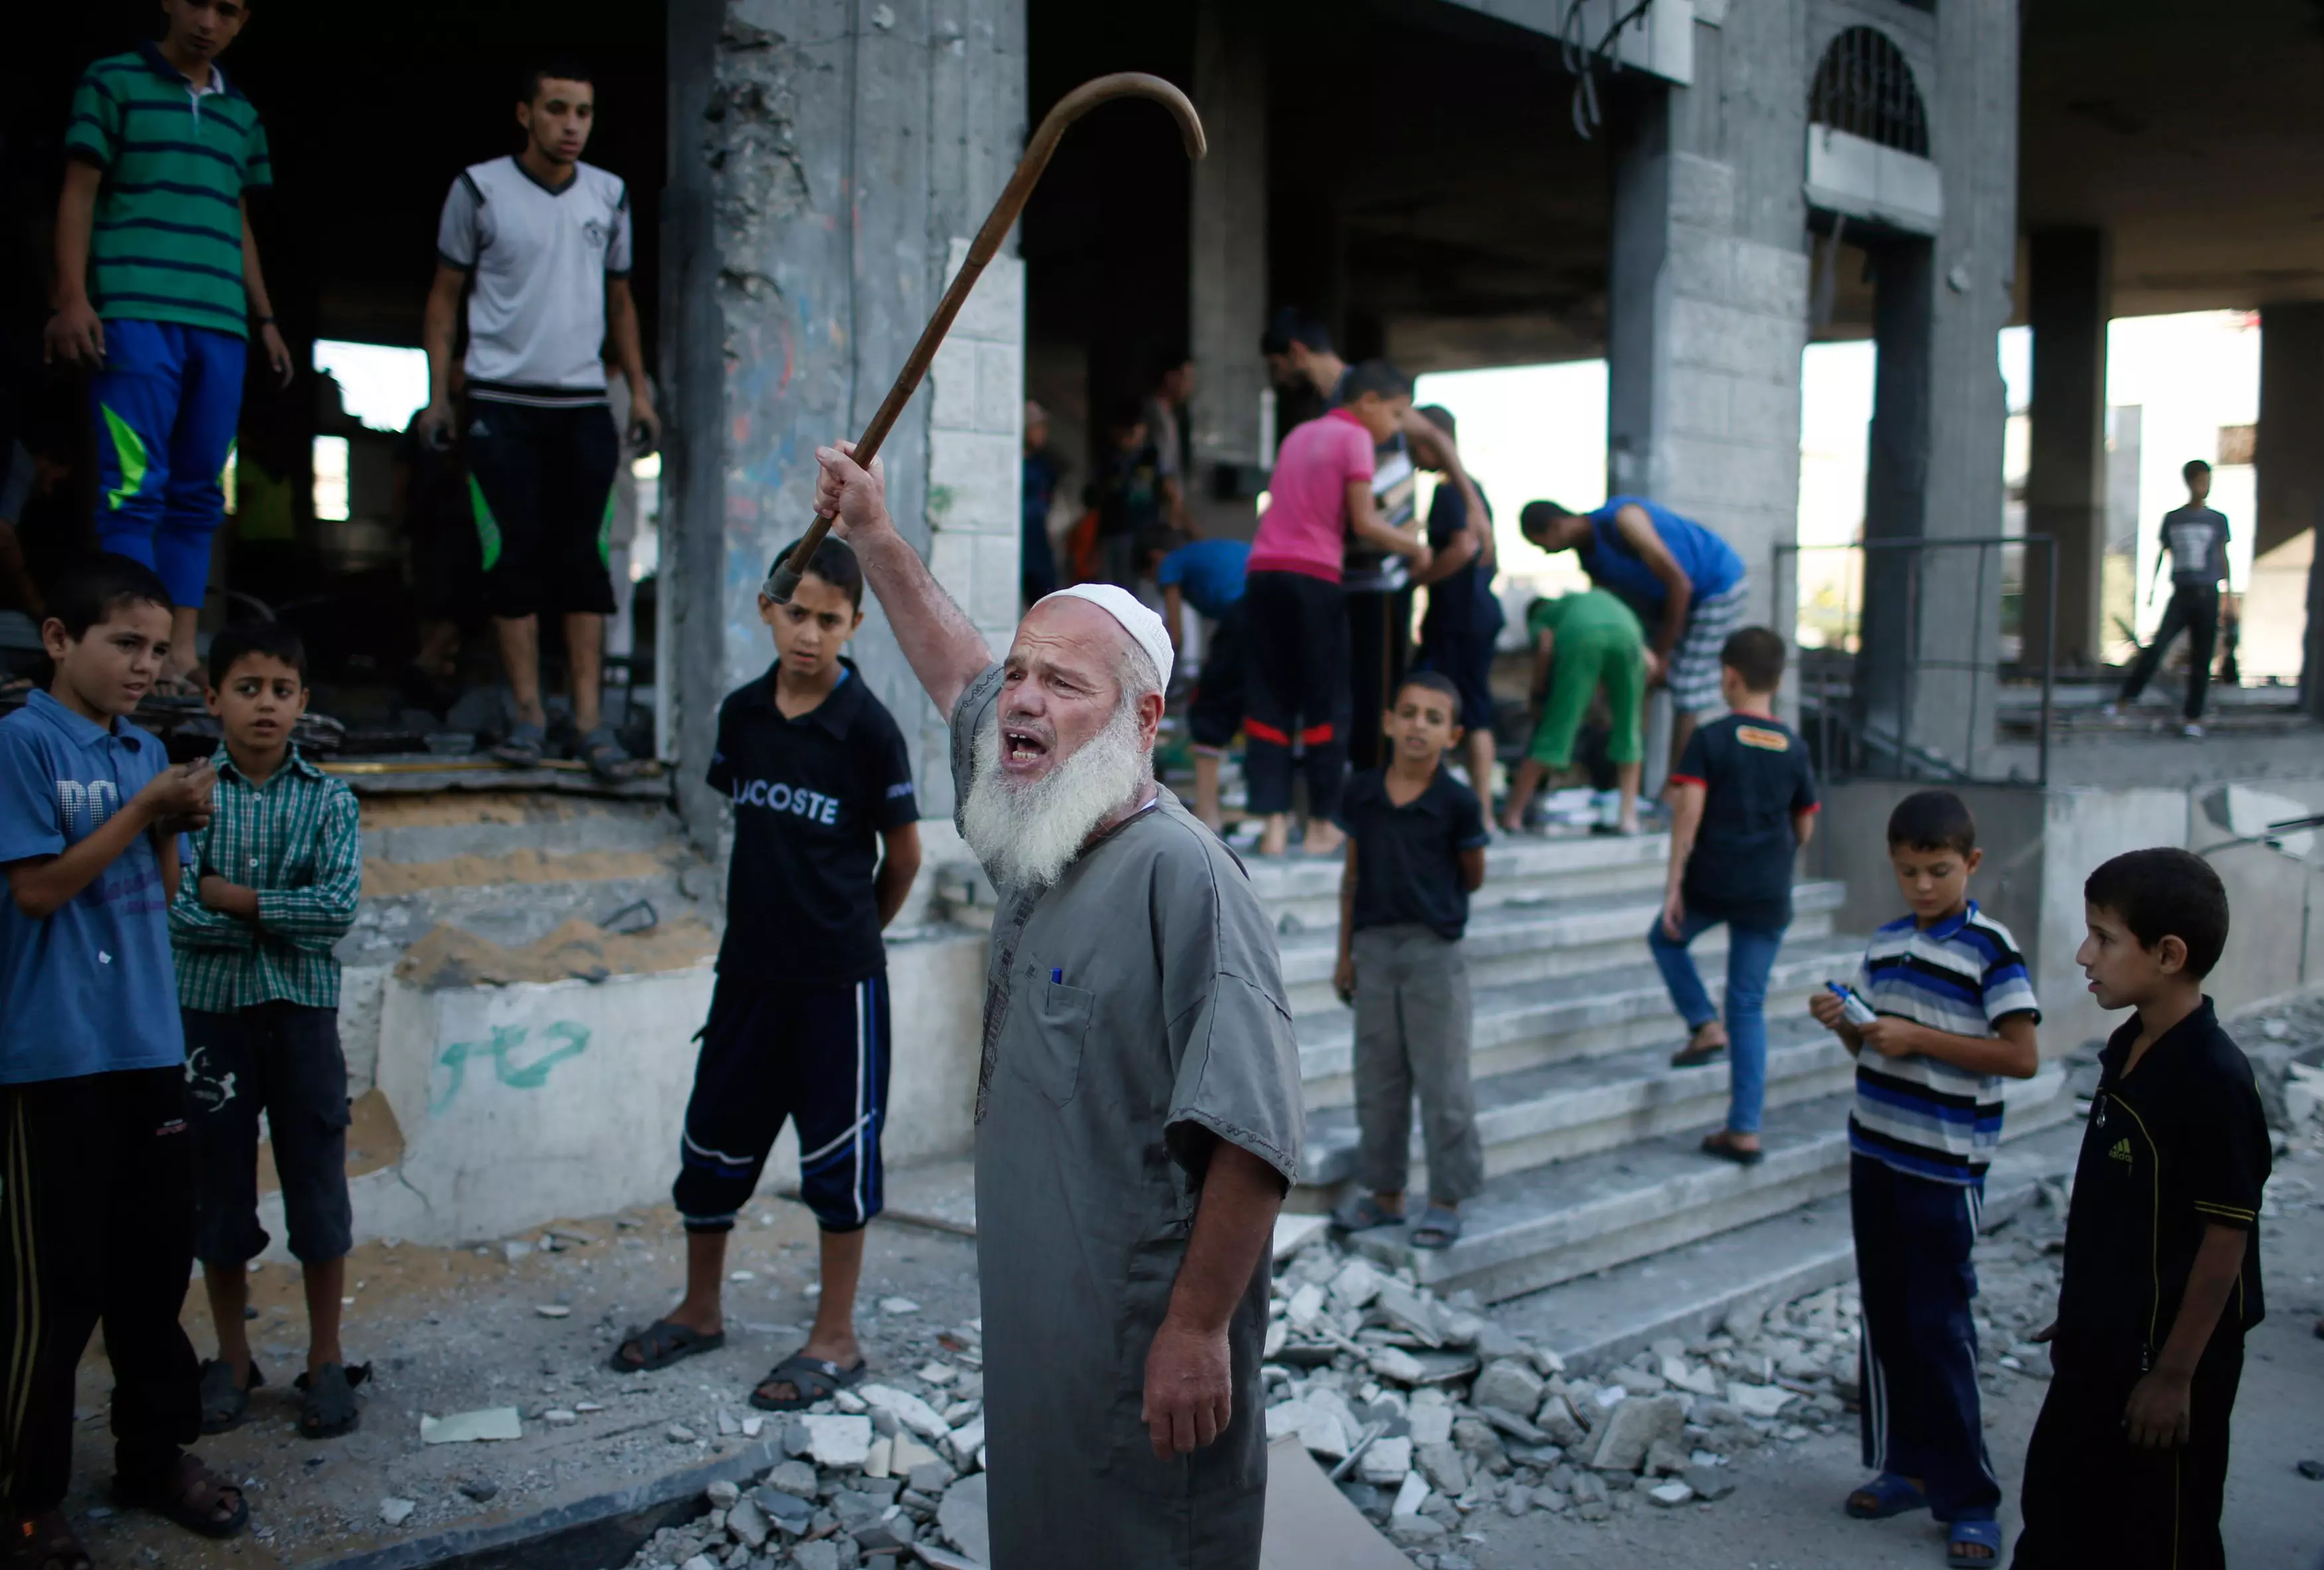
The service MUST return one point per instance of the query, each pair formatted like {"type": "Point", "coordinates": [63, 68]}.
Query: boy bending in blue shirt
{"type": "Point", "coordinates": [97, 1161]}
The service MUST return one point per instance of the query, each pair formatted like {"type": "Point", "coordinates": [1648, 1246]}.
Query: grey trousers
{"type": "Point", "coordinates": [1412, 1036]}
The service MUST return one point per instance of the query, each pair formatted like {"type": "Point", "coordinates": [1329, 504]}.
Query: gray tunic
{"type": "Point", "coordinates": [1134, 1015]}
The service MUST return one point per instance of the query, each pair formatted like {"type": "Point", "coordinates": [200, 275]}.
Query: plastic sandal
{"type": "Point", "coordinates": [329, 1408]}
{"type": "Point", "coordinates": [811, 1380]}
{"type": "Point", "coordinates": [1891, 1495]}
{"type": "Point", "coordinates": [525, 745]}
{"type": "Point", "coordinates": [1363, 1213]}
{"type": "Point", "coordinates": [1721, 1144]}
{"type": "Point", "coordinates": [225, 1404]}
{"type": "Point", "coordinates": [661, 1343]}
{"type": "Point", "coordinates": [1438, 1227]}
{"type": "Point", "coordinates": [603, 752]}
{"type": "Point", "coordinates": [1985, 1534]}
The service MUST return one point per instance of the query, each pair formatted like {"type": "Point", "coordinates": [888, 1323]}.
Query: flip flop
{"type": "Point", "coordinates": [225, 1404]}
{"type": "Point", "coordinates": [329, 1408]}
{"type": "Point", "coordinates": [1363, 1214]}
{"type": "Point", "coordinates": [1891, 1495]}
{"type": "Point", "coordinates": [1693, 1057]}
{"type": "Point", "coordinates": [1438, 1227]}
{"type": "Point", "coordinates": [661, 1343]}
{"type": "Point", "coordinates": [524, 746]}
{"type": "Point", "coordinates": [603, 752]}
{"type": "Point", "coordinates": [45, 1542]}
{"type": "Point", "coordinates": [811, 1380]}
{"type": "Point", "coordinates": [1721, 1144]}
{"type": "Point", "coordinates": [189, 1494]}
{"type": "Point", "coordinates": [1961, 1535]}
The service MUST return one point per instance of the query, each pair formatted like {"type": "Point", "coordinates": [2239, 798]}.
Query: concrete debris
{"type": "Point", "coordinates": [1759, 1400]}
{"type": "Point", "coordinates": [962, 1521]}
{"type": "Point", "coordinates": [966, 1441]}
{"type": "Point", "coordinates": [1632, 1428]}
{"type": "Point", "coordinates": [464, 1427]}
{"type": "Point", "coordinates": [793, 1477]}
{"type": "Point", "coordinates": [1410, 1496]}
{"type": "Point", "coordinates": [394, 1512]}
{"type": "Point", "coordinates": [898, 1306]}
{"type": "Point", "coordinates": [1670, 1494]}
{"type": "Point", "coordinates": [836, 1440]}
{"type": "Point", "coordinates": [1508, 1384]}
{"type": "Point", "coordinates": [1710, 1482]}
{"type": "Point", "coordinates": [723, 1494]}
{"type": "Point", "coordinates": [1386, 1462]}
{"type": "Point", "coordinates": [912, 1411]}
{"type": "Point", "coordinates": [552, 1310]}
{"type": "Point", "coordinates": [1357, 1284]}
{"type": "Point", "coordinates": [1668, 1458]}
{"type": "Point", "coordinates": [558, 1418]}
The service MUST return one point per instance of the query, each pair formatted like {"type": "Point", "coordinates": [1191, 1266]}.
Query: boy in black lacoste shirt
{"type": "Point", "coordinates": [2129, 1458]}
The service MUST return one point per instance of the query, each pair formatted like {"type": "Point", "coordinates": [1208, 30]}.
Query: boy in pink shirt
{"type": "Point", "coordinates": [1295, 612]}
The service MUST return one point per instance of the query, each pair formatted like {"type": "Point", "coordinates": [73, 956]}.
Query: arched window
{"type": "Point", "coordinates": [1863, 87]}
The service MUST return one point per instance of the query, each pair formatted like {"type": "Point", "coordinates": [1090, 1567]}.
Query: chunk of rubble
{"type": "Point", "coordinates": [723, 1494]}
{"type": "Point", "coordinates": [1359, 1282]}
{"type": "Point", "coordinates": [965, 1441]}
{"type": "Point", "coordinates": [962, 1520]}
{"type": "Point", "coordinates": [1670, 1495]}
{"type": "Point", "coordinates": [1410, 1497]}
{"type": "Point", "coordinates": [394, 1512]}
{"type": "Point", "coordinates": [912, 1411]}
{"type": "Point", "coordinates": [1757, 1400]}
{"type": "Point", "coordinates": [748, 1524]}
{"type": "Point", "coordinates": [1508, 1384]}
{"type": "Point", "coordinates": [1386, 1462]}
{"type": "Point", "coordinates": [1711, 1483]}
{"type": "Point", "coordinates": [1556, 1420]}
{"type": "Point", "coordinates": [1631, 1429]}
{"type": "Point", "coordinates": [1410, 1310]}
{"type": "Point", "coordinates": [838, 1440]}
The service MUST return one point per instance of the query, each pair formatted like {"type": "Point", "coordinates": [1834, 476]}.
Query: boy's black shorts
{"type": "Point", "coordinates": [816, 1055]}
{"type": "Point", "coordinates": [283, 1059]}
{"type": "Point", "coordinates": [1215, 714]}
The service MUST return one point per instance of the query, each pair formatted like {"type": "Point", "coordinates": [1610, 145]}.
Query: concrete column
{"type": "Point", "coordinates": [2071, 299]}
{"type": "Point", "coordinates": [1707, 308]}
{"type": "Point", "coordinates": [2290, 458]}
{"type": "Point", "coordinates": [828, 161]}
{"type": "Point", "coordinates": [1227, 305]}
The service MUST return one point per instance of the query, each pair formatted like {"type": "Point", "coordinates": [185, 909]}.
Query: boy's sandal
{"type": "Point", "coordinates": [1961, 1536]}
{"type": "Point", "coordinates": [660, 1344]}
{"type": "Point", "coordinates": [225, 1404]}
{"type": "Point", "coordinates": [45, 1542]}
{"type": "Point", "coordinates": [524, 746]}
{"type": "Point", "coordinates": [1438, 1227]}
{"type": "Point", "coordinates": [1363, 1213]}
{"type": "Point", "coordinates": [603, 752]}
{"type": "Point", "coordinates": [1886, 1495]}
{"type": "Point", "coordinates": [1721, 1144]}
{"type": "Point", "coordinates": [1692, 1056]}
{"type": "Point", "coordinates": [329, 1408]}
{"type": "Point", "coordinates": [191, 1494]}
{"type": "Point", "coordinates": [811, 1380]}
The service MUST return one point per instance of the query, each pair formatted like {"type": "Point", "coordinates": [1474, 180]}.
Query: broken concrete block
{"type": "Point", "coordinates": [395, 1511]}
{"type": "Point", "coordinates": [1670, 1495]}
{"type": "Point", "coordinates": [1307, 1307]}
{"type": "Point", "coordinates": [700, 1561]}
{"type": "Point", "coordinates": [679, 1434]}
{"type": "Point", "coordinates": [1415, 1531]}
{"type": "Point", "coordinates": [462, 1428]}
{"type": "Point", "coordinates": [1284, 1417]}
{"type": "Point", "coordinates": [1668, 1458]}
{"type": "Point", "coordinates": [931, 1477]}
{"type": "Point", "coordinates": [1515, 1427]}
{"type": "Point", "coordinates": [722, 1494]}
{"type": "Point", "coordinates": [1357, 1284]}
{"type": "Point", "coordinates": [1386, 1462]}
{"type": "Point", "coordinates": [1508, 1384]}
{"type": "Point", "coordinates": [1589, 1488]}
{"type": "Point", "coordinates": [1711, 1483]}
{"type": "Point", "coordinates": [727, 1425]}
{"type": "Point", "coordinates": [875, 1464]}
{"type": "Point", "coordinates": [1757, 1400]}
{"type": "Point", "coordinates": [820, 1555]}
{"type": "Point", "coordinates": [1278, 1334]}
{"type": "Point", "coordinates": [793, 1477]}
{"type": "Point", "coordinates": [1410, 1496]}
{"type": "Point", "coordinates": [748, 1525]}
{"type": "Point", "coordinates": [849, 1402]}
{"type": "Point", "coordinates": [838, 1440]}
{"type": "Point", "coordinates": [1323, 1432]}
{"type": "Point", "coordinates": [906, 1454]}
{"type": "Point", "coordinates": [1445, 1470]}
{"type": "Point", "coordinates": [962, 1521]}
{"type": "Point", "coordinates": [965, 1441]}
{"type": "Point", "coordinates": [1293, 1233]}
{"type": "Point", "coordinates": [1393, 1362]}
{"type": "Point", "coordinates": [1556, 1419]}
{"type": "Point", "coordinates": [558, 1418]}
{"type": "Point", "coordinates": [1518, 1500]}
{"type": "Point", "coordinates": [1547, 1361]}
{"type": "Point", "coordinates": [1698, 1379]}
{"type": "Point", "coordinates": [1631, 1429]}
{"type": "Point", "coordinates": [1430, 1423]}
{"type": "Point", "coordinates": [912, 1411]}
{"type": "Point", "coordinates": [793, 1514]}
{"type": "Point", "coordinates": [1408, 1309]}
{"type": "Point", "coordinates": [890, 1532]}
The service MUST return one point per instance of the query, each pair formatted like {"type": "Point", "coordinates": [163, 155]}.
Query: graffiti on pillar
{"type": "Point", "coordinates": [520, 1060]}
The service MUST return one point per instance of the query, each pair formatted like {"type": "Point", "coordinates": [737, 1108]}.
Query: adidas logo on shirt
{"type": "Point", "coordinates": [2121, 1152]}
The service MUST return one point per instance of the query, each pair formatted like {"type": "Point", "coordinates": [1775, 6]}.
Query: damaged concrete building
{"type": "Point", "coordinates": [1693, 191]}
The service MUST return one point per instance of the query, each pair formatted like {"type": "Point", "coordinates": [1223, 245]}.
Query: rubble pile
{"type": "Point", "coordinates": [890, 1468]}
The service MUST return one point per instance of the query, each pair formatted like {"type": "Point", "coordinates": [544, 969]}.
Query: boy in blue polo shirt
{"type": "Point", "coordinates": [826, 844]}
{"type": "Point", "coordinates": [97, 1161]}
{"type": "Point", "coordinates": [1206, 574]}
{"type": "Point", "coordinates": [1954, 1014]}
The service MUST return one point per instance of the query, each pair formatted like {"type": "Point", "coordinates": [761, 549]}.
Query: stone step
{"type": "Point", "coordinates": [1600, 1320]}
{"type": "Point", "coordinates": [1302, 894]}
{"type": "Point", "coordinates": [1536, 1228]}
{"type": "Point", "coordinates": [514, 915]}
{"type": "Point", "coordinates": [442, 828]}
{"type": "Point", "coordinates": [1565, 1111]}
{"type": "Point", "coordinates": [1527, 1025]}
{"type": "Point", "coordinates": [1533, 940]}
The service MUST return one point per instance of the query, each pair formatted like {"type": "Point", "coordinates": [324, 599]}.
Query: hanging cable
{"type": "Point", "coordinates": [1582, 61]}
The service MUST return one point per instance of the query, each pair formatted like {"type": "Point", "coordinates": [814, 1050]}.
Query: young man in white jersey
{"type": "Point", "coordinates": [541, 243]}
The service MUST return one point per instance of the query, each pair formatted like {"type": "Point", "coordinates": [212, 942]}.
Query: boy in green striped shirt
{"type": "Point", "coordinates": [157, 273]}
{"type": "Point", "coordinates": [270, 888]}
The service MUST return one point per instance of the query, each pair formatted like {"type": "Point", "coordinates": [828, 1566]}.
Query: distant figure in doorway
{"type": "Point", "coordinates": [1165, 413]}
{"type": "Point", "coordinates": [541, 243]}
{"type": "Point", "coordinates": [1686, 584]}
{"type": "Point", "coordinates": [1131, 499]}
{"type": "Point", "coordinates": [1036, 559]}
{"type": "Point", "coordinates": [1464, 617]}
{"type": "Point", "coordinates": [158, 288]}
{"type": "Point", "coordinates": [2195, 540]}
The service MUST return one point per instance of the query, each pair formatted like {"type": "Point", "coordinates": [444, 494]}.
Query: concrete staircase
{"type": "Point", "coordinates": [1589, 1134]}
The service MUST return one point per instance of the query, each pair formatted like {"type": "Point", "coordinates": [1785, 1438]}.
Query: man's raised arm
{"type": "Point", "coordinates": [944, 649]}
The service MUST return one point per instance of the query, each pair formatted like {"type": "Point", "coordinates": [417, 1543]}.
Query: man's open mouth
{"type": "Point", "coordinates": [1021, 746]}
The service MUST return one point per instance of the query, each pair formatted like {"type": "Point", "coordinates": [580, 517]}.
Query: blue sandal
{"type": "Point", "coordinates": [1985, 1534]}
{"type": "Point", "coordinates": [1891, 1495]}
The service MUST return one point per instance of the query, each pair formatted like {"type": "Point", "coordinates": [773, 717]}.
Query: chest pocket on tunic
{"type": "Point", "coordinates": [1052, 1058]}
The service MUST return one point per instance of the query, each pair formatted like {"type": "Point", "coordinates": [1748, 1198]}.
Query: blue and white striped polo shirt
{"type": "Point", "coordinates": [1963, 975]}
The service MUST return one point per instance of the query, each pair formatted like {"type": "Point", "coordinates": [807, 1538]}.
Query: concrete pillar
{"type": "Point", "coordinates": [2071, 299]}
{"type": "Point", "coordinates": [1227, 289]}
{"type": "Point", "coordinates": [827, 162]}
{"type": "Point", "coordinates": [1708, 307]}
{"type": "Point", "coordinates": [2290, 458]}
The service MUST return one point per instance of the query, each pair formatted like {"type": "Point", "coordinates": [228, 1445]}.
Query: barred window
{"type": "Point", "coordinates": [1865, 87]}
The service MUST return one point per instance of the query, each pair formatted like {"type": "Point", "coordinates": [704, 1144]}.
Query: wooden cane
{"type": "Point", "coordinates": [784, 579]}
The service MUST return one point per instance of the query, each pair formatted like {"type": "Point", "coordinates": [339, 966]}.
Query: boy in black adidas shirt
{"type": "Point", "coordinates": [2129, 1458]}
{"type": "Point", "coordinates": [818, 772]}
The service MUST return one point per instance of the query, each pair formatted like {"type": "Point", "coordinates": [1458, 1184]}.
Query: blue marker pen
{"type": "Point", "coordinates": [1056, 976]}
{"type": "Point", "coordinates": [1855, 1010]}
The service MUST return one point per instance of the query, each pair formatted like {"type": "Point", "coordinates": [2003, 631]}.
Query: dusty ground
{"type": "Point", "coordinates": [450, 1330]}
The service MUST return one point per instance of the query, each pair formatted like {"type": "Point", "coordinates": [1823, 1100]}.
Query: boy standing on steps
{"type": "Point", "coordinates": [272, 887]}
{"type": "Point", "coordinates": [2129, 1457]}
{"type": "Point", "coordinates": [1743, 802]}
{"type": "Point", "coordinates": [1416, 852]}
{"type": "Point", "coordinates": [97, 1163]}
{"type": "Point", "coordinates": [1954, 1015]}
{"type": "Point", "coordinates": [822, 789]}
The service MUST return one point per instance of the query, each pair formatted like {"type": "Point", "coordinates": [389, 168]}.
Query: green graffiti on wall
{"type": "Point", "coordinates": [517, 1061]}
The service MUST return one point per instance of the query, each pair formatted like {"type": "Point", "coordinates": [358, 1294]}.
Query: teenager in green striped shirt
{"type": "Point", "coordinates": [270, 888]}
{"type": "Point", "coordinates": [157, 276]}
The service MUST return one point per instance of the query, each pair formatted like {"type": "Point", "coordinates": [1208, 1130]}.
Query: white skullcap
{"type": "Point", "coordinates": [1142, 625]}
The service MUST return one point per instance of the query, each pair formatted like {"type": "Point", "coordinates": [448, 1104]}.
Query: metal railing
{"type": "Point", "coordinates": [1867, 658]}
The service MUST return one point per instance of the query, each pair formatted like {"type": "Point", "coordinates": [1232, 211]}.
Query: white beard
{"type": "Point", "coordinates": [1027, 834]}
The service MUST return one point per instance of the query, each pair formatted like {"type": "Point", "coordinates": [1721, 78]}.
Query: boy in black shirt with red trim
{"type": "Point", "coordinates": [2129, 1459]}
{"type": "Point", "coordinates": [798, 1023]}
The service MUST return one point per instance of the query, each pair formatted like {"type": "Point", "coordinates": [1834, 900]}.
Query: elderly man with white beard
{"type": "Point", "coordinates": [1138, 1110]}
